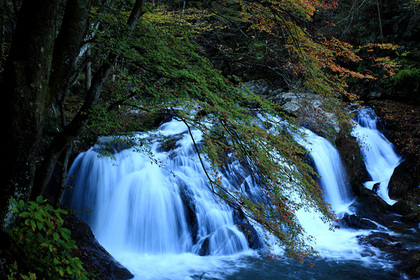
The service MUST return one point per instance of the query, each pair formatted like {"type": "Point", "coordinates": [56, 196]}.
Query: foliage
{"type": "Point", "coordinates": [406, 82]}
{"type": "Point", "coordinates": [40, 247]}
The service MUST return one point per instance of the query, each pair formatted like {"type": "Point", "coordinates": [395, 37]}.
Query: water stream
{"type": "Point", "coordinates": [378, 153]}
{"type": "Point", "coordinates": [158, 217]}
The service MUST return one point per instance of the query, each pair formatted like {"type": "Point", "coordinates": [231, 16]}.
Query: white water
{"type": "Point", "coordinates": [342, 243]}
{"type": "Point", "coordinates": [139, 210]}
{"type": "Point", "coordinates": [378, 153]}
{"type": "Point", "coordinates": [328, 165]}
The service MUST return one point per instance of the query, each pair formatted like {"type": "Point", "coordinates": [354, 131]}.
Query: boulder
{"type": "Point", "coordinates": [310, 112]}
{"type": "Point", "coordinates": [94, 257]}
{"type": "Point", "coordinates": [357, 222]}
{"type": "Point", "coordinates": [251, 235]}
{"type": "Point", "coordinates": [405, 181]}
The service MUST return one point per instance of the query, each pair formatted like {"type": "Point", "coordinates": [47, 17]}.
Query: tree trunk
{"type": "Point", "coordinates": [24, 89]}
{"type": "Point", "coordinates": [76, 126]}
{"type": "Point", "coordinates": [67, 45]}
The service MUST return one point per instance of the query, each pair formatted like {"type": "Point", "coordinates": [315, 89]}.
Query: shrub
{"type": "Point", "coordinates": [40, 247]}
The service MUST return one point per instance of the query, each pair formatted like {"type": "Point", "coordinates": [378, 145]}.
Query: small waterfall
{"type": "Point", "coordinates": [328, 165]}
{"type": "Point", "coordinates": [378, 153]}
{"type": "Point", "coordinates": [341, 243]}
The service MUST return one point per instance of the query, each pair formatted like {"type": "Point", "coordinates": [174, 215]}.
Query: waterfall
{"type": "Point", "coordinates": [328, 165]}
{"type": "Point", "coordinates": [155, 212]}
{"type": "Point", "coordinates": [342, 243]}
{"type": "Point", "coordinates": [378, 153]}
{"type": "Point", "coordinates": [140, 206]}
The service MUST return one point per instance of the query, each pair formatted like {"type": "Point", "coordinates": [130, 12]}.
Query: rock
{"type": "Point", "coordinates": [94, 257]}
{"type": "Point", "coordinates": [351, 157]}
{"type": "Point", "coordinates": [373, 95]}
{"type": "Point", "coordinates": [189, 204]}
{"type": "Point", "coordinates": [382, 241]}
{"type": "Point", "coordinates": [371, 203]}
{"type": "Point", "coordinates": [354, 221]}
{"type": "Point", "coordinates": [310, 113]}
{"type": "Point", "coordinates": [405, 179]}
{"type": "Point", "coordinates": [204, 249]}
{"type": "Point", "coordinates": [410, 264]}
{"type": "Point", "coordinates": [112, 145]}
{"type": "Point", "coordinates": [411, 218]}
{"type": "Point", "coordinates": [170, 143]}
{"type": "Point", "coordinates": [405, 207]}
{"type": "Point", "coordinates": [251, 235]}
{"type": "Point", "coordinates": [260, 87]}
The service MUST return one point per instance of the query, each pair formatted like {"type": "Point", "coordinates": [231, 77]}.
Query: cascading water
{"type": "Point", "coordinates": [378, 153]}
{"type": "Point", "coordinates": [158, 219]}
{"type": "Point", "coordinates": [333, 179]}
{"type": "Point", "coordinates": [134, 205]}
{"type": "Point", "coordinates": [341, 243]}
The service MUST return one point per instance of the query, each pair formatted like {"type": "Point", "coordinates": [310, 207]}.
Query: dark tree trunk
{"type": "Point", "coordinates": [24, 89]}
{"type": "Point", "coordinates": [76, 126]}
{"type": "Point", "coordinates": [66, 49]}
{"type": "Point", "coordinates": [67, 45]}
{"type": "Point", "coordinates": [39, 68]}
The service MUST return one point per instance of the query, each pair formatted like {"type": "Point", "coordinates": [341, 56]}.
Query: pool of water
{"type": "Point", "coordinates": [251, 266]}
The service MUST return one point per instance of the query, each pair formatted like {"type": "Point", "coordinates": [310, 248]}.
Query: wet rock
{"type": "Point", "coordinates": [189, 204]}
{"type": "Point", "coordinates": [94, 257]}
{"type": "Point", "coordinates": [170, 143]}
{"type": "Point", "coordinates": [371, 204]}
{"type": "Point", "coordinates": [251, 235]}
{"type": "Point", "coordinates": [352, 160]}
{"type": "Point", "coordinates": [405, 179]}
{"type": "Point", "coordinates": [204, 249]}
{"type": "Point", "coordinates": [112, 145]}
{"type": "Point", "coordinates": [354, 221]}
{"type": "Point", "coordinates": [405, 207]}
{"type": "Point", "coordinates": [411, 218]}
{"type": "Point", "coordinates": [410, 264]}
{"type": "Point", "coordinates": [382, 241]}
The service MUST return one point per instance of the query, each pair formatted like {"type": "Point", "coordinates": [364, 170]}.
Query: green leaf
{"type": "Point", "coordinates": [40, 200]}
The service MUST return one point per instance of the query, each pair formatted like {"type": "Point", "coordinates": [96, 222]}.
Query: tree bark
{"type": "Point", "coordinates": [24, 89]}
{"type": "Point", "coordinates": [67, 45]}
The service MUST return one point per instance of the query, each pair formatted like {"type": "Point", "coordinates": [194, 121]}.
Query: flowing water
{"type": "Point", "coordinates": [378, 153]}
{"type": "Point", "coordinates": [156, 214]}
